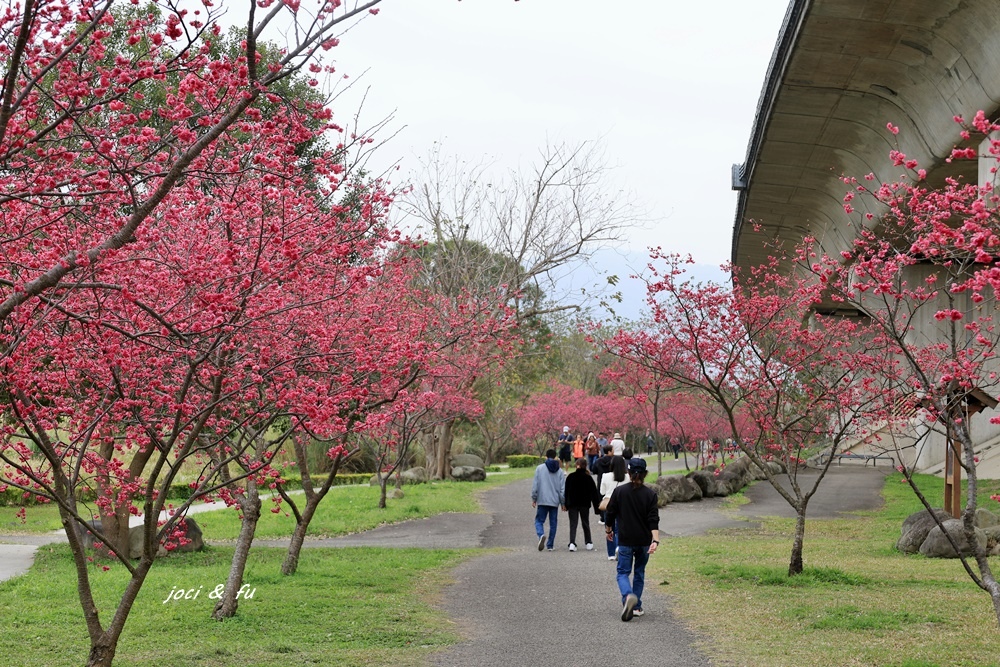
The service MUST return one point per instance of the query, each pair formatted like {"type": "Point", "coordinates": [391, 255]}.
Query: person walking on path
{"type": "Point", "coordinates": [593, 450]}
{"type": "Point", "coordinates": [617, 444]}
{"type": "Point", "coordinates": [578, 447]}
{"type": "Point", "coordinates": [609, 482]}
{"type": "Point", "coordinates": [633, 507]}
{"type": "Point", "coordinates": [548, 493]}
{"type": "Point", "coordinates": [581, 495]}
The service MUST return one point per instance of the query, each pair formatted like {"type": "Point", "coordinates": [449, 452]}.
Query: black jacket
{"type": "Point", "coordinates": [601, 466]}
{"type": "Point", "coordinates": [581, 490]}
{"type": "Point", "coordinates": [635, 509]}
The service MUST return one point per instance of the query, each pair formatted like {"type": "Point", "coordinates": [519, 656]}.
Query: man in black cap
{"type": "Point", "coordinates": [634, 506]}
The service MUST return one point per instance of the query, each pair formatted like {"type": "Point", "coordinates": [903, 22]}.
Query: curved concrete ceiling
{"type": "Point", "coordinates": [841, 70]}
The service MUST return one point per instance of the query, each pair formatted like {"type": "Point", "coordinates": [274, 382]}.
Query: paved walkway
{"type": "Point", "coordinates": [520, 606]}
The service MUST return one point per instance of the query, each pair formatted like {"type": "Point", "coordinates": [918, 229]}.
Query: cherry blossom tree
{"type": "Point", "coordinates": [540, 421]}
{"type": "Point", "coordinates": [104, 113]}
{"type": "Point", "coordinates": [923, 269]}
{"type": "Point", "coordinates": [510, 236]}
{"type": "Point", "coordinates": [763, 355]}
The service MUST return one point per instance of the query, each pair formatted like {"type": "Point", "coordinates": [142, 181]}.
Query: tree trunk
{"type": "Point", "coordinates": [291, 563]}
{"type": "Point", "coordinates": [383, 481]}
{"type": "Point", "coordinates": [102, 654]}
{"type": "Point", "coordinates": [250, 507]}
{"type": "Point", "coordinates": [795, 564]}
{"type": "Point", "coordinates": [437, 447]}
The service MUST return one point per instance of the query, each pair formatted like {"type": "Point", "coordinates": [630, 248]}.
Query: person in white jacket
{"type": "Point", "coordinates": [609, 482]}
{"type": "Point", "coordinates": [617, 445]}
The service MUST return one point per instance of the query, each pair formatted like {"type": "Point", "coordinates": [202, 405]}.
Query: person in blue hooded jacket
{"type": "Point", "coordinates": [548, 494]}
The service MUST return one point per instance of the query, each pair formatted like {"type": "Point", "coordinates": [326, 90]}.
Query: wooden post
{"type": "Point", "coordinates": [953, 479]}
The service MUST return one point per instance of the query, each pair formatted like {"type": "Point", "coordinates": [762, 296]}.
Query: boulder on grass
{"type": "Point", "coordinates": [85, 536]}
{"type": "Point", "coordinates": [675, 489]}
{"type": "Point", "coordinates": [189, 540]}
{"type": "Point", "coordinates": [396, 494]}
{"type": "Point", "coordinates": [414, 476]}
{"type": "Point", "coordinates": [468, 474]}
{"type": "Point", "coordinates": [986, 519]}
{"type": "Point", "coordinates": [467, 461]}
{"type": "Point", "coordinates": [915, 529]}
{"type": "Point", "coordinates": [705, 481]}
{"type": "Point", "coordinates": [937, 545]}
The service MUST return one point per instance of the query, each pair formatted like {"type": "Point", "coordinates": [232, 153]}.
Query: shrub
{"type": "Point", "coordinates": [523, 460]}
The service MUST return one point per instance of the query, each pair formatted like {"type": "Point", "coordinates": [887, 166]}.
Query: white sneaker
{"type": "Point", "coordinates": [611, 557]}
{"type": "Point", "coordinates": [590, 547]}
{"type": "Point", "coordinates": [572, 547]}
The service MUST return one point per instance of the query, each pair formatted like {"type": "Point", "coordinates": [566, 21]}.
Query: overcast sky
{"type": "Point", "coordinates": [671, 89]}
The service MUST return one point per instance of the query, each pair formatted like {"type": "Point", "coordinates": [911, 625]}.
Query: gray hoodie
{"type": "Point", "coordinates": [549, 485]}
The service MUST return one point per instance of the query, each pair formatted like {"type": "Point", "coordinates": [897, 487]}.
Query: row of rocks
{"type": "Point", "coordinates": [464, 468]}
{"type": "Point", "coordinates": [188, 529]}
{"type": "Point", "coordinates": [711, 481]}
{"type": "Point", "coordinates": [922, 534]}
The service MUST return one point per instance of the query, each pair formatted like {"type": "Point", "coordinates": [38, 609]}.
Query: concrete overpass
{"type": "Point", "coordinates": [842, 70]}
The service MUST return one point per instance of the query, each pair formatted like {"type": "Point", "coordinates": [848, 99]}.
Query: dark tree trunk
{"type": "Point", "coordinates": [383, 481]}
{"type": "Point", "coordinates": [250, 507]}
{"type": "Point", "coordinates": [291, 563]}
{"type": "Point", "coordinates": [795, 564]}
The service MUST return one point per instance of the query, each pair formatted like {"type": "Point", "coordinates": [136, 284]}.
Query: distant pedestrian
{"type": "Point", "coordinates": [633, 510]}
{"type": "Point", "coordinates": [617, 444]}
{"type": "Point", "coordinates": [593, 450]}
{"type": "Point", "coordinates": [676, 446]}
{"type": "Point", "coordinates": [609, 482]}
{"type": "Point", "coordinates": [650, 443]}
{"type": "Point", "coordinates": [548, 493]}
{"type": "Point", "coordinates": [581, 495]}
{"type": "Point", "coordinates": [565, 448]}
{"type": "Point", "coordinates": [578, 447]}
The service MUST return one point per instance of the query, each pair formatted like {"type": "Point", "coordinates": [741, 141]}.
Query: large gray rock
{"type": "Point", "coordinates": [992, 539]}
{"type": "Point", "coordinates": [705, 481]}
{"type": "Point", "coordinates": [414, 476]}
{"type": "Point", "coordinates": [675, 489]}
{"type": "Point", "coordinates": [467, 461]}
{"type": "Point", "coordinates": [986, 519]}
{"type": "Point", "coordinates": [468, 474]}
{"type": "Point", "coordinates": [915, 529]}
{"type": "Point", "coordinates": [189, 540]}
{"type": "Point", "coordinates": [937, 545]}
{"type": "Point", "coordinates": [84, 535]}
{"type": "Point", "coordinates": [735, 476]}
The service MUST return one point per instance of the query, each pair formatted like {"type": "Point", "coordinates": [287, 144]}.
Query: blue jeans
{"type": "Point", "coordinates": [553, 513]}
{"type": "Point", "coordinates": [613, 542]}
{"type": "Point", "coordinates": [627, 556]}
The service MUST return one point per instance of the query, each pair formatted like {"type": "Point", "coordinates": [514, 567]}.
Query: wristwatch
{"type": "Point", "coordinates": [656, 541]}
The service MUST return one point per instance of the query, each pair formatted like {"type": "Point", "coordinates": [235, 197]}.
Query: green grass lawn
{"type": "Point", "coordinates": [346, 509]}
{"type": "Point", "coordinates": [859, 602]}
{"type": "Point", "coordinates": [351, 509]}
{"type": "Point", "coordinates": [343, 607]}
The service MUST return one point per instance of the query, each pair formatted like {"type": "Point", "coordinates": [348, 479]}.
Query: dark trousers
{"type": "Point", "coordinates": [583, 514]}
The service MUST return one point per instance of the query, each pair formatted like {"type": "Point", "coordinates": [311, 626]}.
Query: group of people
{"type": "Point", "coordinates": [625, 506]}
{"type": "Point", "coordinates": [572, 447]}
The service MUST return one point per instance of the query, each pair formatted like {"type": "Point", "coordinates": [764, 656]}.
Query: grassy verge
{"type": "Point", "coordinates": [344, 607]}
{"type": "Point", "coordinates": [346, 509]}
{"type": "Point", "coordinates": [859, 603]}
{"type": "Point", "coordinates": [352, 509]}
